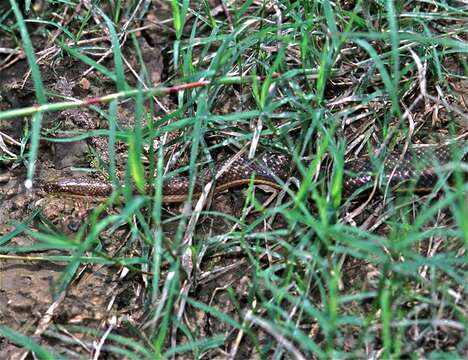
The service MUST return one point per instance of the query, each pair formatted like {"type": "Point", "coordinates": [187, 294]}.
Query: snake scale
{"type": "Point", "coordinates": [419, 165]}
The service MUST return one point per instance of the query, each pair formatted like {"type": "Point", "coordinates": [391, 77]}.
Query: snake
{"type": "Point", "coordinates": [419, 166]}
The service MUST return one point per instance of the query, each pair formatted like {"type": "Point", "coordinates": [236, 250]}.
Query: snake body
{"type": "Point", "coordinates": [419, 166]}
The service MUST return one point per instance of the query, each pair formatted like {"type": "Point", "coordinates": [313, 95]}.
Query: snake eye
{"type": "Point", "coordinates": [74, 226]}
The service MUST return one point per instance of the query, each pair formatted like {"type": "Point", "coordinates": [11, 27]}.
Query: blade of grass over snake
{"type": "Point", "coordinates": [113, 115]}
{"type": "Point", "coordinates": [135, 147]}
{"type": "Point", "coordinates": [311, 170]}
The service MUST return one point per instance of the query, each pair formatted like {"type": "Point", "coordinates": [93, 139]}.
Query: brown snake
{"type": "Point", "coordinates": [419, 165]}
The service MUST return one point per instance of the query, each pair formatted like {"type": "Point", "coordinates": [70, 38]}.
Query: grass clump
{"type": "Point", "coordinates": [309, 273]}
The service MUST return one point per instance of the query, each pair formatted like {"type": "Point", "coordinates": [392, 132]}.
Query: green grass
{"type": "Point", "coordinates": [303, 277]}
